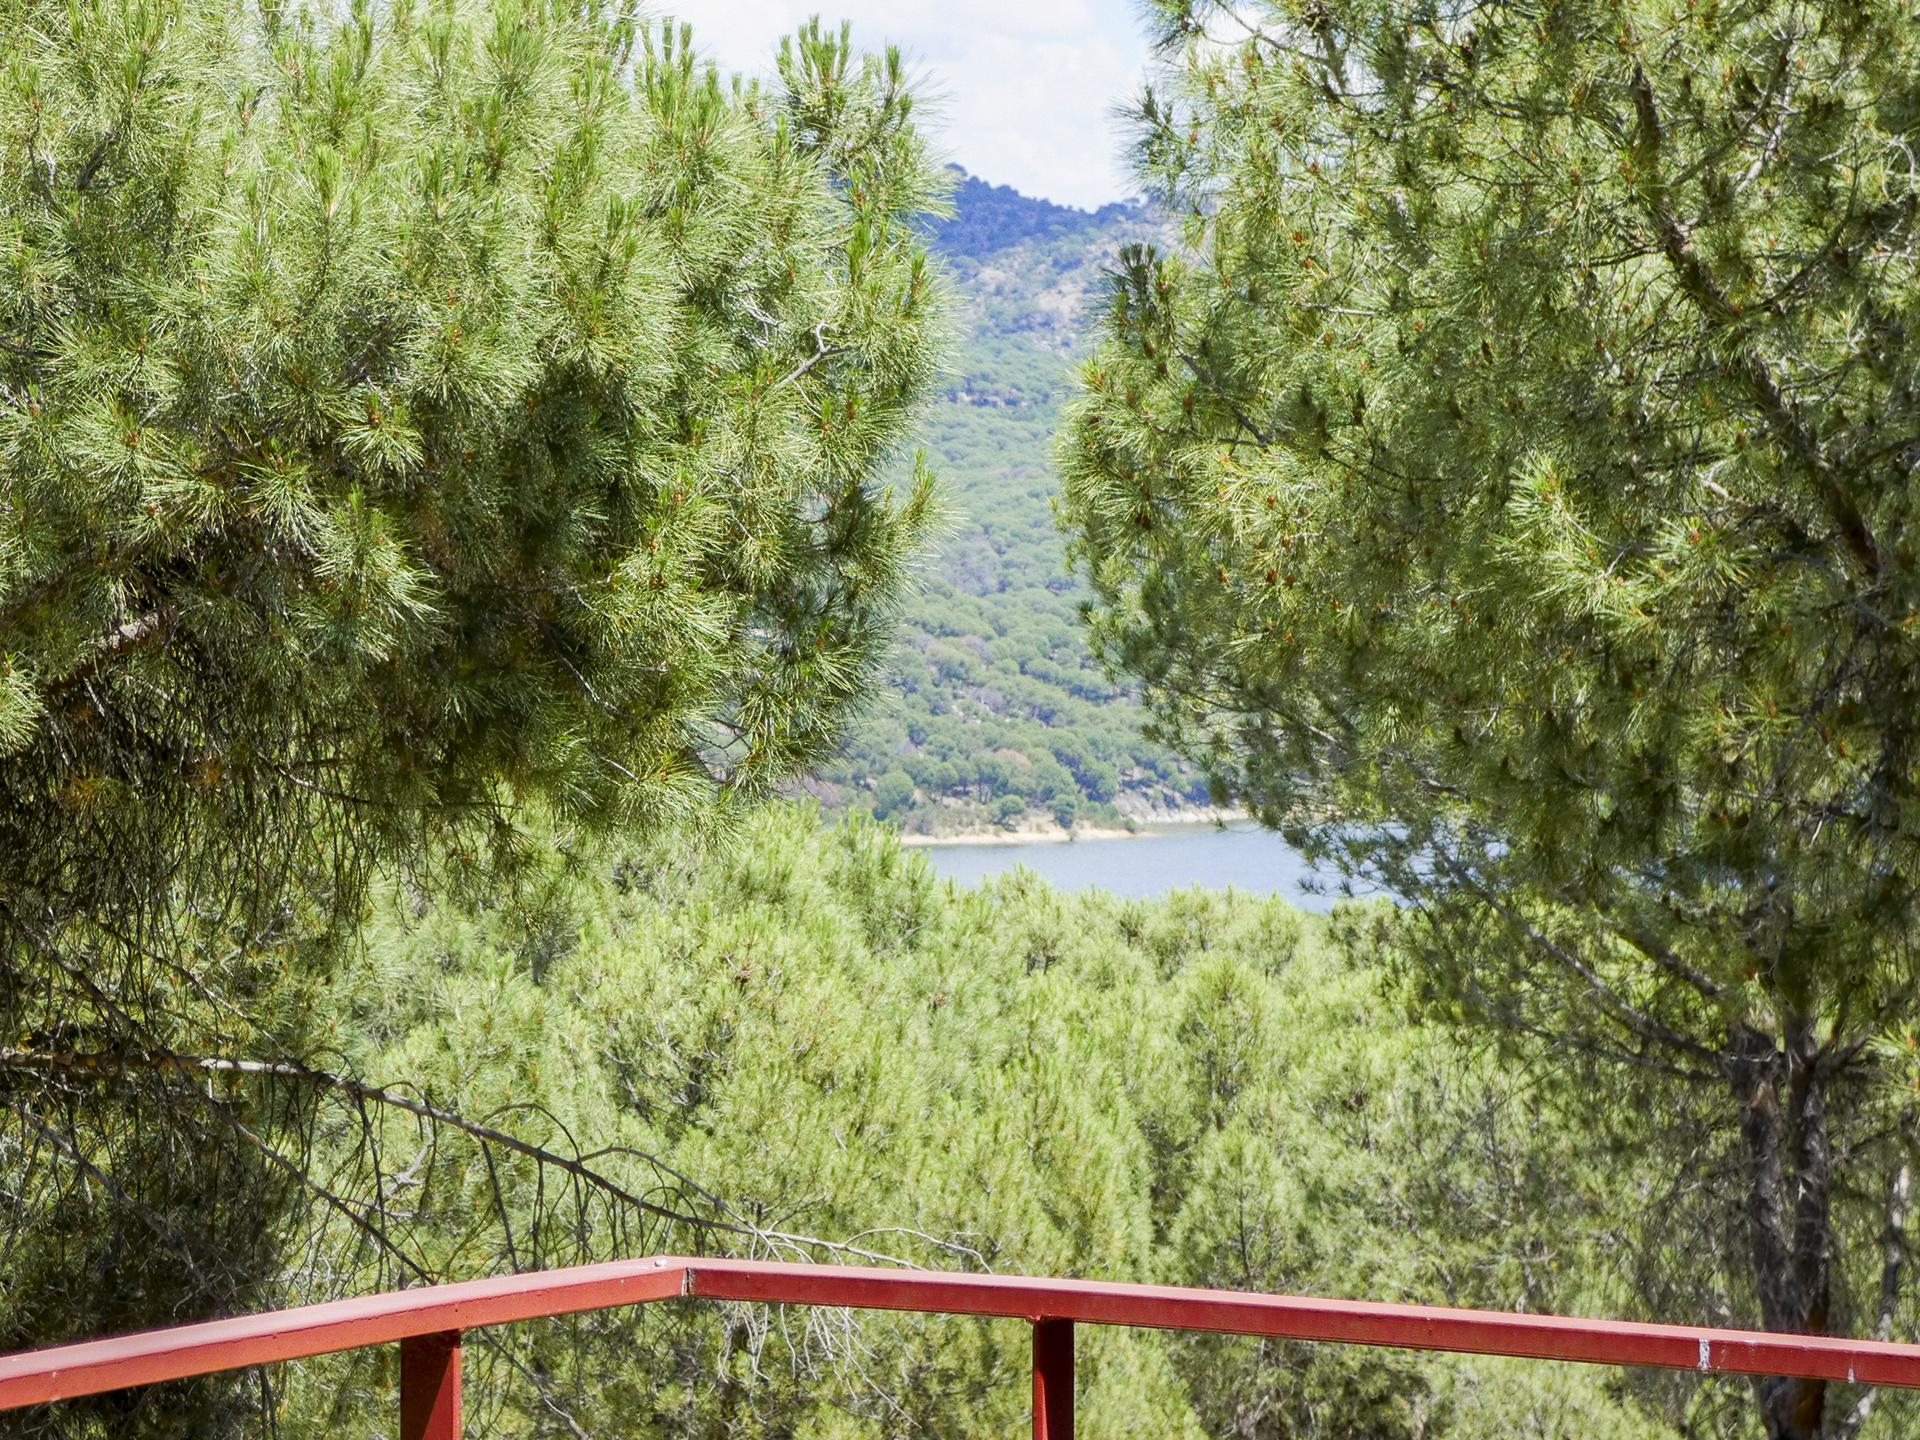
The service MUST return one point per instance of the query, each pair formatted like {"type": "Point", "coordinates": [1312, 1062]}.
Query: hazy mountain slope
{"type": "Point", "coordinates": [997, 713]}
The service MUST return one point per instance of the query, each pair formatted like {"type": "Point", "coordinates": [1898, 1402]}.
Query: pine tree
{"type": "Point", "coordinates": [1507, 490]}
{"type": "Point", "coordinates": [1200, 1090]}
{"type": "Point", "coordinates": [409, 414]}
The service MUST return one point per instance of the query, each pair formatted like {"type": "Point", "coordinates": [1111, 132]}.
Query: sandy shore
{"type": "Point", "coordinates": [1054, 835]}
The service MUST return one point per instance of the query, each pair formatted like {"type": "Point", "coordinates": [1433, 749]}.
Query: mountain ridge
{"type": "Point", "coordinates": [989, 218]}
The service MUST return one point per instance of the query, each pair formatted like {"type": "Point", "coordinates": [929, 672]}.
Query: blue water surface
{"type": "Point", "coordinates": [1143, 866]}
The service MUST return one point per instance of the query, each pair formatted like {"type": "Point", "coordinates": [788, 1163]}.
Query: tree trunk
{"type": "Point", "coordinates": [1783, 1119]}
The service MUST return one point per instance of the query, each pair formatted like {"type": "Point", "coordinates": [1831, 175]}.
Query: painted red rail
{"type": "Point", "coordinates": [428, 1322]}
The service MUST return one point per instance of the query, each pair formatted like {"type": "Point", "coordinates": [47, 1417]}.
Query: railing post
{"type": "Point", "coordinates": [1053, 1380]}
{"type": "Point", "coordinates": [430, 1386]}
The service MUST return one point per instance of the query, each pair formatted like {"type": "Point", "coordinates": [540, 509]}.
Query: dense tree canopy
{"type": "Point", "coordinates": [1508, 489]}
{"type": "Point", "coordinates": [408, 413]}
{"type": "Point", "coordinates": [1208, 1089]}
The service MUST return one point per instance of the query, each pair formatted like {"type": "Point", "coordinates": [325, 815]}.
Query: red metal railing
{"type": "Point", "coordinates": [427, 1323]}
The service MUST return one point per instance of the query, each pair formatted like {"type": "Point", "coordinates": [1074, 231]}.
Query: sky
{"type": "Point", "coordinates": [1026, 88]}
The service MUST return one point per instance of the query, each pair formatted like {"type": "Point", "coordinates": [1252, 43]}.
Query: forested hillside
{"type": "Point", "coordinates": [997, 713]}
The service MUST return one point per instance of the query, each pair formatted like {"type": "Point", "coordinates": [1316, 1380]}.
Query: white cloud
{"type": "Point", "coordinates": [1027, 87]}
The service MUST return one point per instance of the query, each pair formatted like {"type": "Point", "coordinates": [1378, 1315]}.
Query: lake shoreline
{"type": "Point", "coordinates": [1055, 835]}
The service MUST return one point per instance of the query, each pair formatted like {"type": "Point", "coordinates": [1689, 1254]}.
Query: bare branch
{"type": "Point", "coordinates": [1893, 1264]}
{"type": "Point", "coordinates": [118, 1061]}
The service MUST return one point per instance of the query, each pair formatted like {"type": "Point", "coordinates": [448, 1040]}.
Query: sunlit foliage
{"type": "Point", "coordinates": [1507, 489]}
{"type": "Point", "coordinates": [409, 414]}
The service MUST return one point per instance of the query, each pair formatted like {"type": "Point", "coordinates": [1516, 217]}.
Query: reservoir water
{"type": "Point", "coordinates": [1143, 866]}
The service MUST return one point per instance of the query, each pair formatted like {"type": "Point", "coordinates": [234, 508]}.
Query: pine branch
{"type": "Point", "coordinates": [1697, 281]}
